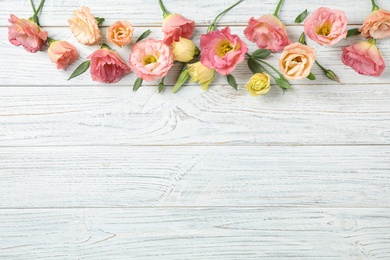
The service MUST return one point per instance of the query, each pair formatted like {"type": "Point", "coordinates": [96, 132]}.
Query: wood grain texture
{"type": "Point", "coordinates": [201, 233]}
{"type": "Point", "coordinates": [44, 72]}
{"type": "Point", "coordinates": [147, 12]}
{"type": "Point", "coordinates": [195, 176]}
{"type": "Point", "coordinates": [107, 115]}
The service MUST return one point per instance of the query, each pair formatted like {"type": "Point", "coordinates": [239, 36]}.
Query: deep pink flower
{"type": "Point", "coordinates": [151, 59]}
{"type": "Point", "coordinates": [222, 51]}
{"type": "Point", "coordinates": [326, 26]}
{"type": "Point", "coordinates": [106, 66]}
{"type": "Point", "coordinates": [268, 32]}
{"type": "Point", "coordinates": [364, 58]}
{"type": "Point", "coordinates": [175, 26]}
{"type": "Point", "coordinates": [26, 33]}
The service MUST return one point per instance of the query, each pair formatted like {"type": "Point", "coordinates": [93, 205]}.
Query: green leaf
{"type": "Point", "coordinates": [261, 54]}
{"type": "Point", "coordinates": [231, 80]}
{"type": "Point", "coordinates": [183, 77]}
{"type": "Point", "coordinates": [353, 32]}
{"type": "Point", "coordinates": [254, 66]}
{"type": "Point", "coordinates": [137, 84]}
{"type": "Point", "coordinates": [283, 83]}
{"type": "Point", "coordinates": [143, 35]}
{"type": "Point", "coordinates": [80, 69]}
{"type": "Point", "coordinates": [161, 86]}
{"type": "Point", "coordinates": [311, 76]}
{"type": "Point", "coordinates": [301, 17]}
{"type": "Point", "coordinates": [302, 38]}
{"type": "Point", "coordinates": [99, 20]}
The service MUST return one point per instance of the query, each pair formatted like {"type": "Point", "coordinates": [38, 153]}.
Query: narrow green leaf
{"type": "Point", "coordinates": [311, 76]}
{"type": "Point", "coordinates": [302, 38]}
{"type": "Point", "coordinates": [137, 84]}
{"type": "Point", "coordinates": [143, 35]}
{"type": "Point", "coordinates": [261, 54]}
{"type": "Point", "coordinates": [353, 32]}
{"type": "Point", "coordinates": [254, 66]}
{"type": "Point", "coordinates": [80, 69]}
{"type": "Point", "coordinates": [183, 77]}
{"type": "Point", "coordinates": [301, 17]}
{"type": "Point", "coordinates": [283, 83]}
{"type": "Point", "coordinates": [161, 86]}
{"type": "Point", "coordinates": [232, 81]}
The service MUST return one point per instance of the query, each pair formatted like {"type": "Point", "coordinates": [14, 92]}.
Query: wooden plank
{"type": "Point", "coordinates": [107, 115]}
{"type": "Point", "coordinates": [106, 176]}
{"type": "Point", "coordinates": [16, 66]}
{"type": "Point", "coordinates": [145, 13]}
{"type": "Point", "coordinates": [202, 233]}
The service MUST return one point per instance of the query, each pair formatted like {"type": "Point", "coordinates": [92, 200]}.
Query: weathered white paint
{"type": "Point", "coordinates": [95, 171]}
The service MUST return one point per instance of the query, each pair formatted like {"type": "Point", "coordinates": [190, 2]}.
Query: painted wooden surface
{"type": "Point", "coordinates": [96, 171]}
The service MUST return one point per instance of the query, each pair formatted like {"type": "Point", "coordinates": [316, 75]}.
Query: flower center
{"type": "Point", "coordinates": [223, 48]}
{"type": "Point", "coordinates": [297, 59]}
{"type": "Point", "coordinates": [325, 30]}
{"type": "Point", "coordinates": [149, 59]}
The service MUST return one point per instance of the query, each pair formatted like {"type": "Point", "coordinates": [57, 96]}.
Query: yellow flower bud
{"type": "Point", "coordinates": [184, 50]}
{"type": "Point", "coordinates": [201, 74]}
{"type": "Point", "coordinates": [258, 84]}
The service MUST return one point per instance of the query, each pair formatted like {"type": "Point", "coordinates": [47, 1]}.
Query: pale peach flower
{"type": "Point", "coordinates": [120, 33]}
{"type": "Point", "coordinates": [85, 27]}
{"type": "Point", "coordinates": [376, 25]}
{"type": "Point", "coordinates": [62, 53]}
{"type": "Point", "coordinates": [296, 61]}
{"type": "Point", "coordinates": [326, 26]}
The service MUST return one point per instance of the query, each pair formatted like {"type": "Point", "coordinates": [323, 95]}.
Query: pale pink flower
{"type": "Point", "coordinates": [85, 27]}
{"type": "Point", "coordinates": [26, 33]}
{"type": "Point", "coordinates": [151, 59]}
{"type": "Point", "coordinates": [222, 51]}
{"type": "Point", "coordinates": [376, 25]}
{"type": "Point", "coordinates": [268, 32]}
{"type": "Point", "coordinates": [62, 53]}
{"type": "Point", "coordinates": [296, 61]}
{"type": "Point", "coordinates": [364, 58]}
{"type": "Point", "coordinates": [120, 33]}
{"type": "Point", "coordinates": [175, 26]}
{"type": "Point", "coordinates": [106, 66]}
{"type": "Point", "coordinates": [326, 26]}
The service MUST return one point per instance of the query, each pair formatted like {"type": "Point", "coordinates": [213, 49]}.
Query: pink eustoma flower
{"type": "Point", "coordinates": [326, 26]}
{"type": "Point", "coordinates": [268, 32]}
{"type": "Point", "coordinates": [106, 66]}
{"type": "Point", "coordinates": [222, 51]}
{"type": "Point", "coordinates": [364, 58]}
{"type": "Point", "coordinates": [26, 33]}
{"type": "Point", "coordinates": [62, 53]}
{"type": "Point", "coordinates": [175, 26]}
{"type": "Point", "coordinates": [151, 59]}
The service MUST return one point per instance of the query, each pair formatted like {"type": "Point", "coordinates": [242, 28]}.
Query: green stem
{"type": "Point", "coordinates": [372, 41]}
{"type": "Point", "coordinates": [50, 40]}
{"type": "Point", "coordinates": [37, 11]}
{"type": "Point", "coordinates": [212, 25]}
{"type": "Point", "coordinates": [321, 67]}
{"type": "Point", "coordinates": [374, 6]}
{"type": "Point", "coordinates": [267, 71]}
{"type": "Point", "coordinates": [33, 7]}
{"type": "Point", "coordinates": [278, 8]}
{"type": "Point", "coordinates": [272, 67]}
{"type": "Point", "coordinates": [163, 9]}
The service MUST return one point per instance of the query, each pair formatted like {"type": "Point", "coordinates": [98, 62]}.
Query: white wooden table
{"type": "Point", "coordinates": [96, 171]}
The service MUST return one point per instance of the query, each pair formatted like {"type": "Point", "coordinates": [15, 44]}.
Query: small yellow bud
{"type": "Point", "coordinates": [184, 50]}
{"type": "Point", "coordinates": [201, 74]}
{"type": "Point", "coordinates": [258, 84]}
